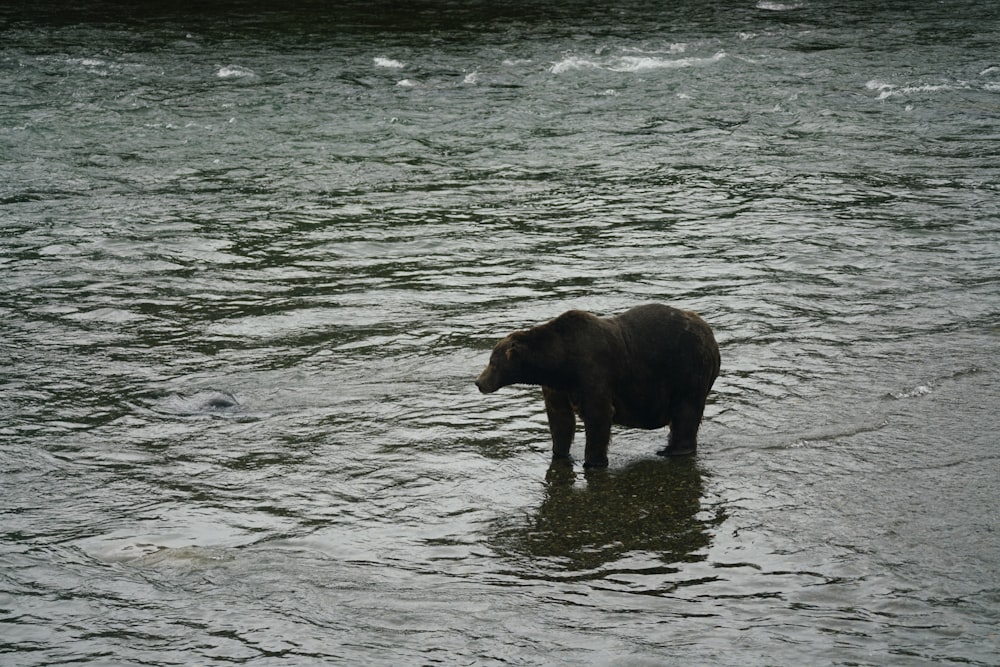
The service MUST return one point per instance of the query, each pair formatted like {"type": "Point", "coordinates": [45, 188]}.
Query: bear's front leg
{"type": "Point", "coordinates": [597, 416]}
{"type": "Point", "coordinates": [562, 422]}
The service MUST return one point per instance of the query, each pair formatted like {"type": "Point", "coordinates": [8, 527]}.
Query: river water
{"type": "Point", "coordinates": [253, 257]}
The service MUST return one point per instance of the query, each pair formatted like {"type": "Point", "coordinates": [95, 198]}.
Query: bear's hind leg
{"type": "Point", "coordinates": [684, 425]}
{"type": "Point", "coordinates": [562, 421]}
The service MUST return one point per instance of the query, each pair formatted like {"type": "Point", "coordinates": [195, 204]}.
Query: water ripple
{"type": "Point", "coordinates": [250, 277]}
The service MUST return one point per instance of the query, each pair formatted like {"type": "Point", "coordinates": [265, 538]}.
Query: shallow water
{"type": "Point", "coordinates": [255, 257]}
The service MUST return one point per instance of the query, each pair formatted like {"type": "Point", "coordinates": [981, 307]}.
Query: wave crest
{"type": "Point", "coordinates": [235, 72]}
{"type": "Point", "coordinates": [631, 63]}
{"type": "Point", "coordinates": [382, 61]}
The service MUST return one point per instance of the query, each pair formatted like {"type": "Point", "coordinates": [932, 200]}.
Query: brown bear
{"type": "Point", "coordinates": [649, 367]}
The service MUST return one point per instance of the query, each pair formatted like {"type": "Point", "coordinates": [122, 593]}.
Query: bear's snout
{"type": "Point", "coordinates": [484, 384]}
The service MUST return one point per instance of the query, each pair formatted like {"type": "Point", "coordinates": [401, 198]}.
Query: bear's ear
{"type": "Point", "coordinates": [511, 352]}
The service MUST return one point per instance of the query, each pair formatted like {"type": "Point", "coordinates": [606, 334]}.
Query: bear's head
{"type": "Point", "coordinates": [503, 368]}
{"type": "Point", "coordinates": [520, 358]}
{"type": "Point", "coordinates": [541, 355]}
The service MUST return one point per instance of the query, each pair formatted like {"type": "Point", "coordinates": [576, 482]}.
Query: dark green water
{"type": "Point", "coordinates": [328, 215]}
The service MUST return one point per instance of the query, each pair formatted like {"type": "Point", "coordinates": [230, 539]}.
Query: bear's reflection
{"type": "Point", "coordinates": [651, 508]}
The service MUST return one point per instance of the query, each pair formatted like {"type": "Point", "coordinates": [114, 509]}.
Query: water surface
{"type": "Point", "coordinates": [253, 258]}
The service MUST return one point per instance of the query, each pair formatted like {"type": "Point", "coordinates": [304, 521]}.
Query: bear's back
{"type": "Point", "coordinates": [667, 339]}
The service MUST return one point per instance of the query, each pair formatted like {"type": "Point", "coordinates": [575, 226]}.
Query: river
{"type": "Point", "coordinates": [254, 256]}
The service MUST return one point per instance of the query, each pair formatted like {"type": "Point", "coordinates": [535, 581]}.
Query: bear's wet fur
{"type": "Point", "coordinates": [651, 366]}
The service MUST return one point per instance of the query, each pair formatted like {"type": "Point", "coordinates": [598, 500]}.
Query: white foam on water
{"type": "Point", "coordinates": [882, 87]}
{"type": "Point", "coordinates": [235, 72]}
{"type": "Point", "coordinates": [572, 63]}
{"type": "Point", "coordinates": [640, 64]}
{"type": "Point", "coordinates": [406, 83]}
{"type": "Point", "coordinates": [675, 47]}
{"type": "Point", "coordinates": [95, 65]}
{"type": "Point", "coordinates": [919, 390]}
{"type": "Point", "coordinates": [631, 63]}
{"type": "Point", "coordinates": [382, 61]}
{"type": "Point", "coordinates": [887, 90]}
{"type": "Point", "coordinates": [769, 6]}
